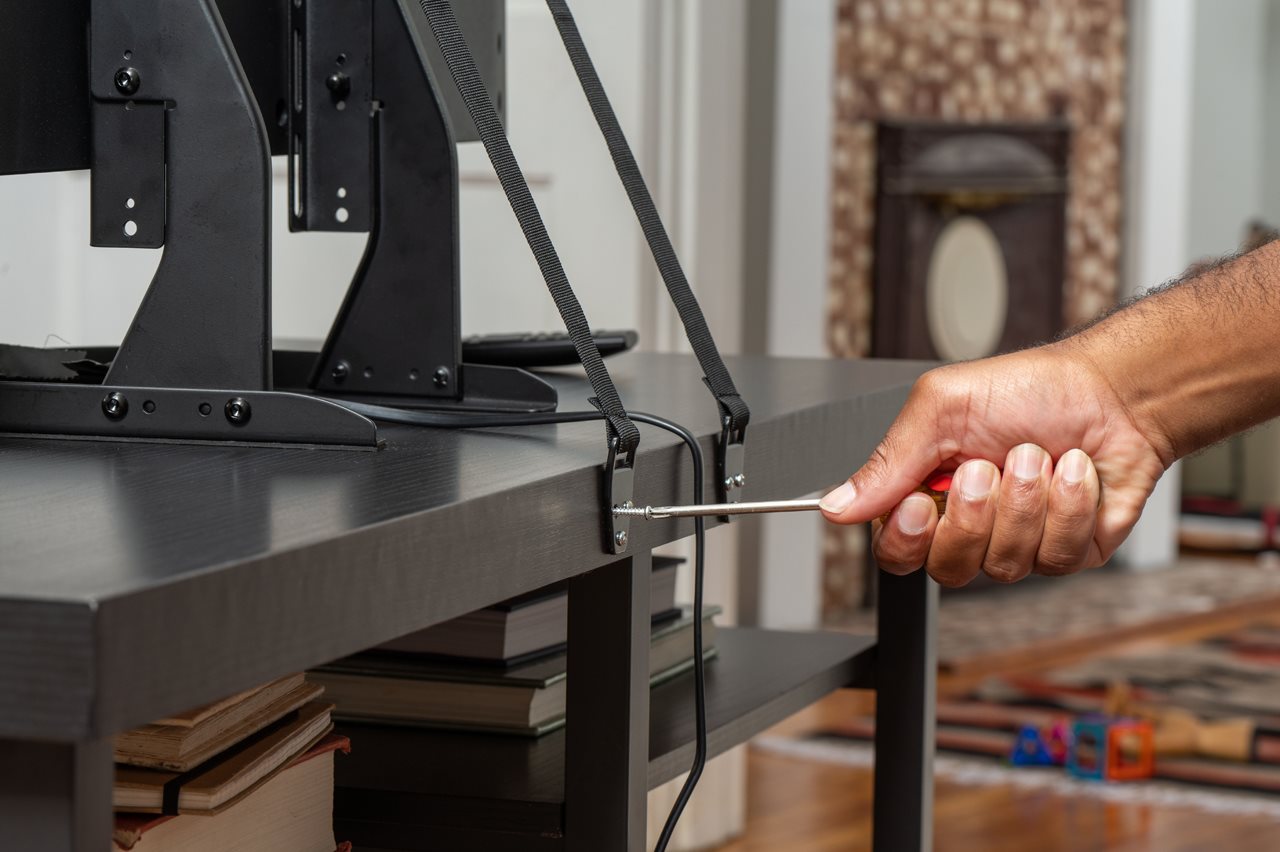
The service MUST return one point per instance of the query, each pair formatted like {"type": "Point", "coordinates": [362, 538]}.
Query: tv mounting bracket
{"type": "Point", "coordinates": [180, 159]}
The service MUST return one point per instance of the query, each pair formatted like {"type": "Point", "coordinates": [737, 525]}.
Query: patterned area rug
{"type": "Point", "coordinates": [997, 627]}
{"type": "Point", "coordinates": [1214, 704]}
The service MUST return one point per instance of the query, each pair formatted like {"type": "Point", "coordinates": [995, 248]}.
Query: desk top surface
{"type": "Point", "coordinates": [211, 568]}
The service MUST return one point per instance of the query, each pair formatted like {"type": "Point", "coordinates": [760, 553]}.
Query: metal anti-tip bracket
{"type": "Point", "coordinates": [731, 456]}
{"type": "Point", "coordinates": [619, 484]}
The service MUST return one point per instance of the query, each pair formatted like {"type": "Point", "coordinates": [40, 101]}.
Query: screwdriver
{"type": "Point", "coordinates": [937, 488]}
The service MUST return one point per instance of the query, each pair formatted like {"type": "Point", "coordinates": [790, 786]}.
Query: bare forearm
{"type": "Point", "coordinates": [1199, 360]}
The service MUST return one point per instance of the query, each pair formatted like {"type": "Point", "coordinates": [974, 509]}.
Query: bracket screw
{"type": "Point", "coordinates": [620, 539]}
{"type": "Point", "coordinates": [340, 371]}
{"type": "Point", "coordinates": [115, 406]}
{"type": "Point", "coordinates": [339, 84]}
{"type": "Point", "coordinates": [740, 480]}
{"type": "Point", "coordinates": [441, 377]}
{"type": "Point", "coordinates": [729, 483]}
{"type": "Point", "coordinates": [238, 411]}
{"type": "Point", "coordinates": [128, 81]}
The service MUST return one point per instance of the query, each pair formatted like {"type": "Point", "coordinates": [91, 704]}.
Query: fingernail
{"type": "Point", "coordinates": [914, 515]}
{"type": "Point", "coordinates": [976, 480]}
{"type": "Point", "coordinates": [1075, 467]}
{"type": "Point", "coordinates": [1027, 461]}
{"type": "Point", "coordinates": [839, 499]}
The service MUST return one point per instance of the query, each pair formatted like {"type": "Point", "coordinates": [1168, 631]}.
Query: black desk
{"type": "Point", "coordinates": [137, 580]}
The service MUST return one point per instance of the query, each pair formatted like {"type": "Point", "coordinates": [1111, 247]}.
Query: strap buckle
{"type": "Point", "coordinates": [731, 457]}
{"type": "Point", "coordinates": [619, 483]}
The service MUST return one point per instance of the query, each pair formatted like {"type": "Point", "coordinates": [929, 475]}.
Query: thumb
{"type": "Point", "coordinates": [903, 460]}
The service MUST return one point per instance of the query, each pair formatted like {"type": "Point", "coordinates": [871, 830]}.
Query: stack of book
{"type": "Point", "coordinates": [250, 772]}
{"type": "Point", "coordinates": [498, 670]}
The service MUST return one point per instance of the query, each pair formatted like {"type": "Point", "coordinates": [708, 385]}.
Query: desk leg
{"type": "Point", "coordinates": [906, 692]}
{"type": "Point", "coordinates": [607, 731]}
{"type": "Point", "coordinates": [56, 796]}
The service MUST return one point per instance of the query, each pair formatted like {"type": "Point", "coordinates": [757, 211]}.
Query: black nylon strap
{"type": "Point", "coordinates": [462, 67]}
{"type": "Point", "coordinates": [664, 254]}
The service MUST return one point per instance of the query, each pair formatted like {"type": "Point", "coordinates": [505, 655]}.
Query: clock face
{"type": "Point", "coordinates": [966, 291]}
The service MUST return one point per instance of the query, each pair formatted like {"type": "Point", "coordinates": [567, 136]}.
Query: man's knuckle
{"type": "Point", "coordinates": [899, 556]}
{"type": "Point", "coordinates": [1056, 561]}
{"type": "Point", "coordinates": [949, 576]}
{"type": "Point", "coordinates": [930, 384]}
{"type": "Point", "coordinates": [895, 550]}
{"type": "Point", "coordinates": [1021, 515]}
{"type": "Point", "coordinates": [1025, 492]}
{"type": "Point", "coordinates": [1004, 569]}
{"type": "Point", "coordinates": [879, 459]}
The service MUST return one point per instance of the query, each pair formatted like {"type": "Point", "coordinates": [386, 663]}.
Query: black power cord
{"type": "Point", "coordinates": [448, 420]}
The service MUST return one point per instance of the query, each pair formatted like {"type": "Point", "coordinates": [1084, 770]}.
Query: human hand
{"type": "Point", "coordinates": [1051, 467]}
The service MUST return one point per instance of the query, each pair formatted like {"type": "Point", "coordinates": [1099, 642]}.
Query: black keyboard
{"type": "Point", "coordinates": [544, 349]}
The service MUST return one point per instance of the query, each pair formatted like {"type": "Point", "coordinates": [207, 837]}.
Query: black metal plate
{"type": "Point", "coordinates": [127, 197]}
{"type": "Point", "coordinates": [330, 116]}
{"type": "Point", "coordinates": [45, 409]}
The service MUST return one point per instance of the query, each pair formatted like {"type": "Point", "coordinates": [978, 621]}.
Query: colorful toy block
{"type": "Point", "coordinates": [1104, 749]}
{"type": "Point", "coordinates": [1058, 741]}
{"type": "Point", "coordinates": [1041, 746]}
{"type": "Point", "coordinates": [1029, 749]}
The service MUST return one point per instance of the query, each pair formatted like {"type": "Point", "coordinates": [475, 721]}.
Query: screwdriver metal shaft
{"type": "Point", "coordinates": [937, 489]}
{"type": "Point", "coordinates": [712, 509]}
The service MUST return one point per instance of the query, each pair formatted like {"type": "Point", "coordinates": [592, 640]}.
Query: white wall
{"type": "Point", "coordinates": [54, 287]}
{"type": "Point", "coordinates": [1271, 115]}
{"type": "Point", "coordinates": [791, 558]}
{"type": "Point", "coordinates": [802, 178]}
{"type": "Point", "coordinates": [564, 156]}
{"type": "Point", "coordinates": [1227, 122]}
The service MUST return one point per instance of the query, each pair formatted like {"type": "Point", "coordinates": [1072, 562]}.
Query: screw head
{"type": "Point", "coordinates": [128, 81]}
{"type": "Point", "coordinates": [238, 411]}
{"type": "Point", "coordinates": [729, 483]}
{"type": "Point", "coordinates": [339, 84]}
{"type": "Point", "coordinates": [115, 406]}
{"type": "Point", "coordinates": [740, 480]}
{"type": "Point", "coordinates": [340, 371]}
{"type": "Point", "coordinates": [441, 377]}
{"type": "Point", "coordinates": [620, 539]}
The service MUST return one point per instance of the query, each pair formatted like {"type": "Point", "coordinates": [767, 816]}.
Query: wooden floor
{"type": "Point", "coordinates": [803, 806]}
{"type": "Point", "coordinates": [797, 805]}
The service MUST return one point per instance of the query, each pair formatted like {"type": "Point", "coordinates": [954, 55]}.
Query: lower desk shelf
{"type": "Point", "coordinates": [418, 789]}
